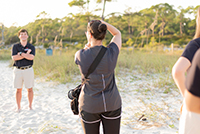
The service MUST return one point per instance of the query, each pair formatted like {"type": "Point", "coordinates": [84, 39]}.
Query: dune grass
{"type": "Point", "coordinates": [58, 67]}
{"type": "Point", "coordinates": [5, 54]}
{"type": "Point", "coordinates": [61, 67]}
{"type": "Point", "coordinates": [146, 62]}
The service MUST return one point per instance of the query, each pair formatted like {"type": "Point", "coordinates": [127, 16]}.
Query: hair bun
{"type": "Point", "coordinates": [102, 27]}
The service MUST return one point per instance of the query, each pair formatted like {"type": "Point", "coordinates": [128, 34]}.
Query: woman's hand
{"type": "Point", "coordinates": [87, 46]}
{"type": "Point", "coordinates": [115, 33]}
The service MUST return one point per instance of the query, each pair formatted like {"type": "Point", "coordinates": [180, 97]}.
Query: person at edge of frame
{"type": "Point", "coordinates": [179, 69]}
{"type": "Point", "coordinates": [99, 100]}
{"type": "Point", "coordinates": [23, 54]}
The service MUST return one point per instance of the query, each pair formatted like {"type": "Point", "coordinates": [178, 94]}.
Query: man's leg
{"type": "Point", "coordinates": [18, 98]}
{"type": "Point", "coordinates": [29, 83]}
{"type": "Point", "coordinates": [30, 97]}
{"type": "Point", "coordinates": [18, 82]}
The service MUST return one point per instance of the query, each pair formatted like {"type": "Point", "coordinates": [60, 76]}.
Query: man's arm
{"type": "Point", "coordinates": [15, 54]}
{"type": "Point", "coordinates": [17, 57]}
{"type": "Point", "coordinates": [28, 56]}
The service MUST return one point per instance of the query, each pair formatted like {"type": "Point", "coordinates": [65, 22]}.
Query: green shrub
{"type": "Point", "coordinates": [5, 54]}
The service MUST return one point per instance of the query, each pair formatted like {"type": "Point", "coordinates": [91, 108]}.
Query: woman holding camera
{"type": "Point", "coordinates": [99, 100]}
{"type": "Point", "coordinates": [190, 117]}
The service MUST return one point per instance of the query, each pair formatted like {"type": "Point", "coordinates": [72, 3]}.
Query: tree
{"type": "Point", "coordinates": [140, 27]}
{"type": "Point", "coordinates": [129, 42]}
{"type": "Point", "coordinates": [84, 6]}
{"type": "Point", "coordinates": [147, 19]}
{"type": "Point", "coordinates": [166, 14]}
{"type": "Point", "coordinates": [190, 24]}
{"type": "Point", "coordinates": [181, 16]}
{"type": "Point", "coordinates": [129, 16]}
{"type": "Point", "coordinates": [2, 31]}
{"type": "Point", "coordinates": [104, 6]}
{"type": "Point", "coordinates": [79, 3]}
{"type": "Point", "coordinates": [44, 23]}
{"type": "Point", "coordinates": [152, 26]}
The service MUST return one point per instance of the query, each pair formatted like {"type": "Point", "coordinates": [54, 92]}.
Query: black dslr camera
{"type": "Point", "coordinates": [74, 93]}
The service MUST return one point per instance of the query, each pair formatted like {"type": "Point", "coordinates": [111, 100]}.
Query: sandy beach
{"type": "Point", "coordinates": [52, 114]}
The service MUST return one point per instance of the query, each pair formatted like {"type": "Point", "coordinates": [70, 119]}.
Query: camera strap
{"type": "Point", "coordinates": [95, 62]}
{"type": "Point", "coordinates": [74, 93]}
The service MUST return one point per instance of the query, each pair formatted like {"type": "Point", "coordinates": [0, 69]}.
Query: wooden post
{"type": "Point", "coordinates": [172, 47]}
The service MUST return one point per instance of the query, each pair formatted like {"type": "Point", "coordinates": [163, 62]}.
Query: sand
{"type": "Point", "coordinates": [52, 114]}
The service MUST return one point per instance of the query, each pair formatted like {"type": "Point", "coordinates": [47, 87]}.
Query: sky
{"type": "Point", "coordinates": [21, 12]}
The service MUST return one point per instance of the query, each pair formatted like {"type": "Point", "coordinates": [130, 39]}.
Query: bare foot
{"type": "Point", "coordinates": [30, 108]}
{"type": "Point", "coordinates": [18, 110]}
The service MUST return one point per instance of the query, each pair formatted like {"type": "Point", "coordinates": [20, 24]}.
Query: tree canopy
{"type": "Point", "coordinates": [160, 24]}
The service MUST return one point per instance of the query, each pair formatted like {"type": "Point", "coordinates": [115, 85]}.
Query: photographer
{"type": "Point", "coordinates": [23, 54]}
{"type": "Point", "coordinates": [99, 100]}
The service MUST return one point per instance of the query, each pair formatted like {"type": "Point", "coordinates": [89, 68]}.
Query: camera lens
{"type": "Point", "coordinates": [70, 94]}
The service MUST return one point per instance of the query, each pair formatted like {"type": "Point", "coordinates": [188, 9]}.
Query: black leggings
{"type": "Point", "coordinates": [110, 126]}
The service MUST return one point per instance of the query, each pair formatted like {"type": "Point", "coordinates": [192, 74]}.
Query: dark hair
{"type": "Point", "coordinates": [97, 29]}
{"type": "Point", "coordinates": [22, 31]}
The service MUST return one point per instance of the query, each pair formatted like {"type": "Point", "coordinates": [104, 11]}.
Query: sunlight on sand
{"type": "Point", "coordinates": [52, 114]}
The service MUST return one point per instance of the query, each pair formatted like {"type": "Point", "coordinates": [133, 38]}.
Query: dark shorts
{"type": "Point", "coordinates": [96, 117]}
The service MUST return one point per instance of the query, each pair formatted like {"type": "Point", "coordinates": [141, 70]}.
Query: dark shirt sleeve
{"type": "Point", "coordinates": [114, 51]}
{"type": "Point", "coordinates": [33, 50]}
{"type": "Point", "coordinates": [14, 50]}
{"type": "Point", "coordinates": [77, 55]}
{"type": "Point", "coordinates": [190, 50]}
{"type": "Point", "coordinates": [113, 47]}
{"type": "Point", "coordinates": [193, 76]}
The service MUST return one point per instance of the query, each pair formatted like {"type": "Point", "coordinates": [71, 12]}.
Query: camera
{"type": "Point", "coordinates": [71, 94]}
{"type": "Point", "coordinates": [74, 93]}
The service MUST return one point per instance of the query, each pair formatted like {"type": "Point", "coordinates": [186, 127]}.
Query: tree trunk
{"type": "Point", "coordinates": [31, 41]}
{"type": "Point", "coordinates": [2, 34]}
{"type": "Point", "coordinates": [129, 30]}
{"type": "Point", "coordinates": [163, 26]}
{"type": "Point", "coordinates": [147, 41]}
{"type": "Point", "coordinates": [181, 31]}
{"type": "Point", "coordinates": [142, 42]}
{"type": "Point", "coordinates": [43, 34]}
{"type": "Point", "coordinates": [71, 35]}
{"type": "Point", "coordinates": [104, 4]}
